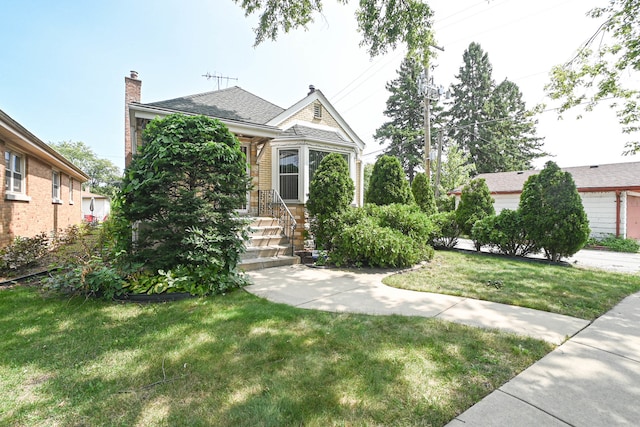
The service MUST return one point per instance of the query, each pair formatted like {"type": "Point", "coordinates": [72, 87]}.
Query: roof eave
{"type": "Point", "coordinates": [237, 127]}
{"type": "Point", "coordinates": [18, 134]}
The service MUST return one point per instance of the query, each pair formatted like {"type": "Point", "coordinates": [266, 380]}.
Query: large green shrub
{"type": "Point", "coordinates": [423, 194]}
{"type": "Point", "coordinates": [367, 243]}
{"type": "Point", "coordinates": [181, 190]}
{"type": "Point", "coordinates": [330, 194]}
{"type": "Point", "coordinates": [383, 236]}
{"type": "Point", "coordinates": [447, 230]}
{"type": "Point", "coordinates": [388, 183]}
{"type": "Point", "coordinates": [553, 214]}
{"type": "Point", "coordinates": [475, 203]}
{"type": "Point", "coordinates": [506, 232]}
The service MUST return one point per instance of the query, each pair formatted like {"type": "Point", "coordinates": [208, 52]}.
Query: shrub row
{"type": "Point", "coordinates": [394, 235]}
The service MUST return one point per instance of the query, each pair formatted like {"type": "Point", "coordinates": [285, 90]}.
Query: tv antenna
{"type": "Point", "coordinates": [219, 78]}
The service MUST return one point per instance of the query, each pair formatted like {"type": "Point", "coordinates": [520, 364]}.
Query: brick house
{"type": "Point", "coordinates": [42, 190]}
{"type": "Point", "coordinates": [283, 145]}
{"type": "Point", "coordinates": [610, 195]}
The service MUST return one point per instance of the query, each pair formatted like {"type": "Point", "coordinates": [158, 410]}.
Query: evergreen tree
{"type": "Point", "coordinates": [423, 194]}
{"type": "Point", "coordinates": [491, 122]}
{"type": "Point", "coordinates": [330, 194]}
{"type": "Point", "coordinates": [476, 203]}
{"type": "Point", "coordinates": [388, 183]}
{"type": "Point", "coordinates": [467, 114]}
{"type": "Point", "coordinates": [405, 131]}
{"type": "Point", "coordinates": [514, 143]}
{"type": "Point", "coordinates": [553, 213]}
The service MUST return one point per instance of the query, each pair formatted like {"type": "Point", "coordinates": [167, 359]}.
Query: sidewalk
{"type": "Point", "coordinates": [363, 292]}
{"type": "Point", "coordinates": [592, 379]}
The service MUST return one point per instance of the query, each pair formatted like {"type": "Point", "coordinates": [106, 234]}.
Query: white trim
{"type": "Point", "coordinates": [312, 97]}
{"type": "Point", "coordinates": [17, 196]}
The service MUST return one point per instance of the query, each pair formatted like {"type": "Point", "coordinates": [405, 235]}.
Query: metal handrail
{"type": "Point", "coordinates": [270, 203]}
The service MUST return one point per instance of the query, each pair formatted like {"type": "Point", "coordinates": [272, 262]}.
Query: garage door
{"type": "Point", "coordinates": [633, 217]}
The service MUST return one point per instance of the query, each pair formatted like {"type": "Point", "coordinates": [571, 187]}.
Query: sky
{"type": "Point", "coordinates": [63, 64]}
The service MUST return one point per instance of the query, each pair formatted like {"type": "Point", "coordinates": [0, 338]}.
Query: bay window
{"type": "Point", "coordinates": [289, 173]}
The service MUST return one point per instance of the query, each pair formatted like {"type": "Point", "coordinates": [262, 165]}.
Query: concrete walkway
{"type": "Point", "coordinates": [354, 291]}
{"type": "Point", "coordinates": [592, 379]}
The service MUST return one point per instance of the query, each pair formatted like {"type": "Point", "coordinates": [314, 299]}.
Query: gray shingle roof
{"type": "Point", "coordinates": [233, 103]}
{"type": "Point", "coordinates": [615, 175]}
{"type": "Point", "coordinates": [313, 133]}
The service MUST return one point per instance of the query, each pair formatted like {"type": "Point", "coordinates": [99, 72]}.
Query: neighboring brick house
{"type": "Point", "coordinates": [283, 146]}
{"type": "Point", "coordinates": [42, 189]}
{"type": "Point", "coordinates": [610, 195]}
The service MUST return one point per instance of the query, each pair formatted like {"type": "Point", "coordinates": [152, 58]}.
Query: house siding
{"type": "Point", "coordinates": [28, 218]}
{"type": "Point", "coordinates": [307, 115]}
{"type": "Point", "coordinates": [600, 208]}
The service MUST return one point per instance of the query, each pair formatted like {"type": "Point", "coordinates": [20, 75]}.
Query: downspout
{"type": "Point", "coordinates": [617, 213]}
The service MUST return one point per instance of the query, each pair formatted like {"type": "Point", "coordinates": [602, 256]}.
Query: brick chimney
{"type": "Point", "coordinates": [132, 90]}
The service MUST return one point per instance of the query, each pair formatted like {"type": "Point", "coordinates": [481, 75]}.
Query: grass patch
{"type": "Point", "coordinates": [577, 292]}
{"type": "Point", "coordinates": [239, 360]}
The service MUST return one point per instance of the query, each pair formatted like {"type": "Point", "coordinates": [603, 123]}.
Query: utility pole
{"type": "Point", "coordinates": [427, 125]}
{"type": "Point", "coordinates": [427, 117]}
{"type": "Point", "coordinates": [439, 167]}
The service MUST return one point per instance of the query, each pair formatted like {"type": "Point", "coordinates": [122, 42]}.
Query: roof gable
{"type": "Point", "coordinates": [317, 96]}
{"type": "Point", "coordinates": [610, 176]}
{"type": "Point", "coordinates": [233, 103]}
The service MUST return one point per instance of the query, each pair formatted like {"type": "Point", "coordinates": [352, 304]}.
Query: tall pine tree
{"type": "Point", "coordinates": [405, 131]}
{"type": "Point", "coordinates": [491, 122]}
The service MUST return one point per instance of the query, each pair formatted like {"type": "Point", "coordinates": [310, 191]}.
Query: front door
{"type": "Point", "coordinates": [633, 217]}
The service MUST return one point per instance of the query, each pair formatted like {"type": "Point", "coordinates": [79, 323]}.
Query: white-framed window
{"type": "Point", "coordinates": [289, 173]}
{"type": "Point", "coordinates": [70, 190]}
{"type": "Point", "coordinates": [316, 156]}
{"type": "Point", "coordinates": [14, 173]}
{"type": "Point", "coordinates": [55, 187]}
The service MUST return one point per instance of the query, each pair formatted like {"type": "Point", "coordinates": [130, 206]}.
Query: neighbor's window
{"type": "Point", "coordinates": [289, 172]}
{"type": "Point", "coordinates": [14, 172]}
{"type": "Point", "coordinates": [70, 190]}
{"type": "Point", "coordinates": [55, 186]}
{"type": "Point", "coordinates": [315, 157]}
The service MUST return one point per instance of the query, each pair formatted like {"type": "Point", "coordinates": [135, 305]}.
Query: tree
{"type": "Point", "coordinates": [330, 194]}
{"type": "Point", "coordinates": [491, 122]}
{"type": "Point", "coordinates": [104, 176]}
{"type": "Point", "coordinates": [405, 131]}
{"type": "Point", "coordinates": [423, 194]}
{"type": "Point", "coordinates": [553, 214]}
{"type": "Point", "coordinates": [388, 183]}
{"type": "Point", "coordinates": [476, 203]}
{"type": "Point", "coordinates": [383, 23]}
{"type": "Point", "coordinates": [597, 71]}
{"type": "Point", "coordinates": [512, 129]}
{"type": "Point", "coordinates": [455, 171]}
{"type": "Point", "coordinates": [183, 189]}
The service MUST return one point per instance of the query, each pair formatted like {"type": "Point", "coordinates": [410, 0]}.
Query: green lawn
{"type": "Point", "coordinates": [577, 292]}
{"type": "Point", "coordinates": [239, 360]}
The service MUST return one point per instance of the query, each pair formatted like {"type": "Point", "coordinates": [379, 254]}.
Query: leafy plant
{"type": "Point", "coordinates": [447, 230]}
{"type": "Point", "coordinates": [423, 194]}
{"type": "Point", "coordinates": [553, 214]}
{"type": "Point", "coordinates": [617, 244]}
{"type": "Point", "coordinates": [23, 251]}
{"type": "Point", "coordinates": [475, 203]}
{"type": "Point", "coordinates": [330, 194]}
{"type": "Point", "coordinates": [506, 232]}
{"type": "Point", "coordinates": [388, 183]}
{"type": "Point", "coordinates": [189, 175]}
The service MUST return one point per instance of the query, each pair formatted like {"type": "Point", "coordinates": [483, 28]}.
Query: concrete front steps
{"type": "Point", "coordinates": [267, 246]}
